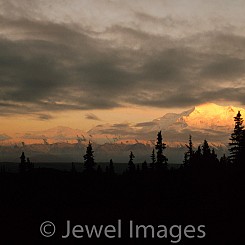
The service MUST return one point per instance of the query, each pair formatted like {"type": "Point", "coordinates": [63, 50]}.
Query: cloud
{"type": "Point", "coordinates": [44, 117]}
{"type": "Point", "coordinates": [42, 71]}
{"type": "Point", "coordinates": [124, 129]}
{"type": "Point", "coordinates": [224, 68]}
{"type": "Point", "coordinates": [146, 124]}
{"type": "Point", "coordinates": [120, 125]}
{"type": "Point", "coordinates": [47, 65]}
{"type": "Point", "coordinates": [91, 116]}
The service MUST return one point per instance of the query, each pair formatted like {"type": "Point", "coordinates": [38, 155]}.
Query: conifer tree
{"type": "Point", "coordinates": [214, 155]}
{"type": "Point", "coordinates": [186, 160]}
{"type": "Point", "coordinates": [161, 161]}
{"type": "Point", "coordinates": [22, 165]}
{"type": "Point", "coordinates": [209, 157]}
{"type": "Point", "coordinates": [237, 139]}
{"type": "Point", "coordinates": [89, 158]}
{"type": "Point", "coordinates": [206, 152]}
{"type": "Point", "coordinates": [189, 154]}
{"type": "Point", "coordinates": [131, 165]}
{"type": "Point", "coordinates": [242, 149]}
{"type": "Point", "coordinates": [153, 159]}
{"type": "Point", "coordinates": [214, 158]}
{"type": "Point", "coordinates": [197, 157]}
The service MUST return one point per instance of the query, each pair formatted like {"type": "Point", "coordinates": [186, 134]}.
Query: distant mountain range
{"type": "Point", "coordinates": [208, 121]}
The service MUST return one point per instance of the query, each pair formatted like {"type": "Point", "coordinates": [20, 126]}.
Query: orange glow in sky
{"type": "Point", "coordinates": [77, 119]}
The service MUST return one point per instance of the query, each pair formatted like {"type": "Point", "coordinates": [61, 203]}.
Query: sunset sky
{"type": "Point", "coordinates": [79, 63]}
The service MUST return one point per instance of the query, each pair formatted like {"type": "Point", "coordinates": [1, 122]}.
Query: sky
{"type": "Point", "coordinates": [80, 63]}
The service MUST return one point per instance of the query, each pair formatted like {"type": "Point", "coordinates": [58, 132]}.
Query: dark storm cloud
{"type": "Point", "coordinates": [91, 116]}
{"type": "Point", "coordinates": [224, 68]}
{"type": "Point", "coordinates": [232, 94]}
{"type": "Point", "coordinates": [64, 71]}
{"type": "Point", "coordinates": [47, 67]}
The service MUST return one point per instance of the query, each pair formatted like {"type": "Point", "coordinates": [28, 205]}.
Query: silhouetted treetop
{"type": "Point", "coordinates": [153, 159]}
{"type": "Point", "coordinates": [161, 161]}
{"type": "Point", "coordinates": [237, 144]}
{"type": "Point", "coordinates": [89, 158]}
{"type": "Point", "coordinates": [188, 157]}
{"type": "Point", "coordinates": [131, 165]}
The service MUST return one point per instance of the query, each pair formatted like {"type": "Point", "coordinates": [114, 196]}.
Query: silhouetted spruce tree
{"type": "Point", "coordinates": [209, 156]}
{"type": "Point", "coordinates": [206, 152]}
{"type": "Point", "coordinates": [22, 165]}
{"type": "Point", "coordinates": [242, 150]}
{"type": "Point", "coordinates": [236, 139]}
{"type": "Point", "coordinates": [131, 165]}
{"type": "Point", "coordinates": [153, 159]}
{"type": "Point", "coordinates": [161, 161]}
{"type": "Point", "coordinates": [197, 157]}
{"type": "Point", "coordinates": [189, 154]}
{"type": "Point", "coordinates": [214, 162]}
{"type": "Point", "coordinates": [186, 160]}
{"type": "Point", "coordinates": [89, 163]}
{"type": "Point", "coordinates": [214, 157]}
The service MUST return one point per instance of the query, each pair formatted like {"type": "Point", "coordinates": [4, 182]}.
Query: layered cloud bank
{"type": "Point", "coordinates": [82, 55]}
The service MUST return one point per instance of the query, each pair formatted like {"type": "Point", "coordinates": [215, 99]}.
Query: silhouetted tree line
{"type": "Point", "coordinates": [204, 157]}
{"type": "Point", "coordinates": [159, 160]}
